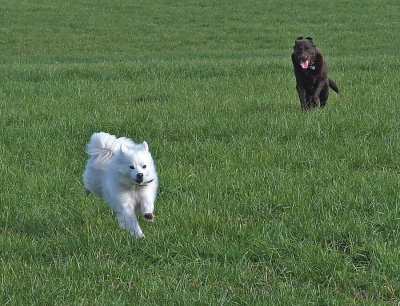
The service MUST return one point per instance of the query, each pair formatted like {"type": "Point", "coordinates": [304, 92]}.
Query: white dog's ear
{"type": "Point", "coordinates": [124, 149]}
{"type": "Point", "coordinates": [145, 146]}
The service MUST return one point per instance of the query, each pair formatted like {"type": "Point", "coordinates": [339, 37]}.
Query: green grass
{"type": "Point", "coordinates": [259, 203]}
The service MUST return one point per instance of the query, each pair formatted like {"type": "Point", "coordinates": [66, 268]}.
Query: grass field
{"type": "Point", "coordinates": [259, 202]}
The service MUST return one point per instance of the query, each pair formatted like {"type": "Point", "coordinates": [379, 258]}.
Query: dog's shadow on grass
{"type": "Point", "coordinates": [32, 227]}
{"type": "Point", "coordinates": [41, 226]}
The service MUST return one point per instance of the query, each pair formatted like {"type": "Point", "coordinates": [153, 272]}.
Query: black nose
{"type": "Point", "coordinates": [139, 176]}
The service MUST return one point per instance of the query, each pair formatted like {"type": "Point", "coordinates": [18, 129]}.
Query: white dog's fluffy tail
{"type": "Point", "coordinates": [103, 146]}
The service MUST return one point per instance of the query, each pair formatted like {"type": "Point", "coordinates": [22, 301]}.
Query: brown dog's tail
{"type": "Point", "coordinates": [333, 85]}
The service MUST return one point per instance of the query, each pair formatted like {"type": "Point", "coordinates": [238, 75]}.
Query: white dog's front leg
{"type": "Point", "coordinates": [147, 208]}
{"type": "Point", "coordinates": [128, 221]}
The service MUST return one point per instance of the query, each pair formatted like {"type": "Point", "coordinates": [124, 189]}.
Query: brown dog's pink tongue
{"type": "Point", "coordinates": [304, 64]}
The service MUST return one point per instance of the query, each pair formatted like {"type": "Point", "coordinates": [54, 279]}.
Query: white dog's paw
{"type": "Point", "coordinates": [137, 234]}
{"type": "Point", "coordinates": [149, 217]}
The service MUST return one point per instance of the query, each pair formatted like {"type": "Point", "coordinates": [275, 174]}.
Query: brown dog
{"type": "Point", "coordinates": [311, 71]}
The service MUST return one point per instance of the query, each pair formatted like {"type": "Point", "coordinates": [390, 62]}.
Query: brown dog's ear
{"type": "Point", "coordinates": [310, 40]}
{"type": "Point", "coordinates": [299, 38]}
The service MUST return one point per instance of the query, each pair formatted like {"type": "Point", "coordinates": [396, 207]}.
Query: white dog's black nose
{"type": "Point", "coordinates": [139, 177]}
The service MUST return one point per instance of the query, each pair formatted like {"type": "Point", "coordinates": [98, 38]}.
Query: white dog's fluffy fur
{"type": "Point", "coordinates": [123, 173]}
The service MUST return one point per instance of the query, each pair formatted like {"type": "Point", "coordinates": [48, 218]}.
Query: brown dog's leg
{"type": "Point", "coordinates": [317, 94]}
{"type": "Point", "coordinates": [308, 103]}
{"type": "Point", "coordinates": [323, 96]}
{"type": "Point", "coordinates": [302, 96]}
{"type": "Point", "coordinates": [313, 102]}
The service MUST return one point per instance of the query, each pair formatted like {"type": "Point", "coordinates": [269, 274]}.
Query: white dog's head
{"type": "Point", "coordinates": [137, 163]}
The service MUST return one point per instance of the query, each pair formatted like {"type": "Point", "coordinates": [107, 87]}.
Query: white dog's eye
{"type": "Point", "coordinates": [132, 167]}
{"type": "Point", "coordinates": [144, 167]}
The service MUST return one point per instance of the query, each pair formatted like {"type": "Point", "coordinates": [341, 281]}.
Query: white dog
{"type": "Point", "coordinates": [124, 174]}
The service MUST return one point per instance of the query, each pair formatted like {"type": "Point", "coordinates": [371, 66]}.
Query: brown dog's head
{"type": "Point", "coordinates": [304, 51]}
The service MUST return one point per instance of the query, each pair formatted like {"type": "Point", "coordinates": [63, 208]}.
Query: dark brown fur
{"type": "Point", "coordinates": [311, 71]}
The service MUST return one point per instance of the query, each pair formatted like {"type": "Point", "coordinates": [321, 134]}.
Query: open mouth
{"type": "Point", "coordinates": [304, 64]}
